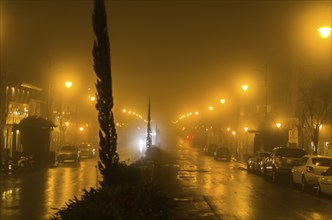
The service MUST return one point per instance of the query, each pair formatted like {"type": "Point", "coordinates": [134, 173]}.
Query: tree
{"type": "Point", "coordinates": [315, 108]}
{"type": "Point", "coordinates": [109, 157]}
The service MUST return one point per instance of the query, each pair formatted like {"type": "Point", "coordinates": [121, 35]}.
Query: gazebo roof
{"type": "Point", "coordinates": [35, 121]}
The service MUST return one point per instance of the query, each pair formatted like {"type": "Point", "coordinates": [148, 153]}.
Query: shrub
{"type": "Point", "coordinates": [130, 198]}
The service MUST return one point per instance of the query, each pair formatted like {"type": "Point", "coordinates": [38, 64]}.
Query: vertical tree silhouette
{"type": "Point", "coordinates": [102, 65]}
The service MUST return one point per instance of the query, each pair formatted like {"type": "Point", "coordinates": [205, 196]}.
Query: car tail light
{"type": "Point", "coordinates": [309, 169]}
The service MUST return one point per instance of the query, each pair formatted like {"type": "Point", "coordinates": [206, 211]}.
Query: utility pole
{"type": "Point", "coordinates": [148, 137]}
{"type": "Point", "coordinates": [265, 86]}
{"type": "Point", "coordinates": [156, 135]}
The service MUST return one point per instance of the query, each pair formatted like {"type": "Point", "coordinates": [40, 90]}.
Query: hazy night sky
{"type": "Point", "coordinates": [182, 54]}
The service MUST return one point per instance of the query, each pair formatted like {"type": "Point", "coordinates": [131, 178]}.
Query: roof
{"type": "Point", "coordinates": [35, 121]}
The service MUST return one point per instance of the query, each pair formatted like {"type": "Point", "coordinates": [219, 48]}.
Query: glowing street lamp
{"type": "Point", "coordinates": [325, 32]}
{"type": "Point", "coordinates": [92, 98]}
{"type": "Point", "coordinates": [222, 101]}
{"type": "Point", "coordinates": [245, 129]}
{"type": "Point", "coordinates": [68, 84]}
{"type": "Point", "coordinates": [278, 125]}
{"type": "Point", "coordinates": [210, 108]}
{"type": "Point", "coordinates": [245, 87]}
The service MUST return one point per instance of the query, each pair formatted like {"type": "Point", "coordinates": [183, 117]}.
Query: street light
{"type": "Point", "coordinates": [278, 125]}
{"type": "Point", "coordinates": [245, 87]}
{"type": "Point", "coordinates": [92, 98]}
{"type": "Point", "coordinates": [68, 84]}
{"type": "Point", "coordinates": [325, 31]}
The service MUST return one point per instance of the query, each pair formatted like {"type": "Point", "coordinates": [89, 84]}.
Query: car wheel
{"type": "Point", "coordinates": [292, 182]}
{"type": "Point", "coordinates": [248, 167]}
{"type": "Point", "coordinates": [265, 176]}
{"type": "Point", "coordinates": [274, 176]}
{"type": "Point", "coordinates": [318, 190]}
{"type": "Point", "coordinates": [260, 171]}
{"type": "Point", "coordinates": [304, 184]}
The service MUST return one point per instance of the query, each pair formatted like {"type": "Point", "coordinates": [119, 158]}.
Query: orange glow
{"type": "Point", "coordinates": [92, 98]}
{"type": "Point", "coordinates": [68, 84]}
{"type": "Point", "coordinates": [325, 32]}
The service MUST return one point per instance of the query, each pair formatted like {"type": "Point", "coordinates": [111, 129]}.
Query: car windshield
{"type": "Point", "coordinates": [85, 146]}
{"type": "Point", "coordinates": [322, 161]}
{"type": "Point", "coordinates": [263, 154]}
{"type": "Point", "coordinates": [68, 148]}
{"type": "Point", "coordinates": [288, 152]}
{"type": "Point", "coordinates": [222, 150]}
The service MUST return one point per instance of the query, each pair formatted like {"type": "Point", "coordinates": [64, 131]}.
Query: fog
{"type": "Point", "coordinates": [183, 55]}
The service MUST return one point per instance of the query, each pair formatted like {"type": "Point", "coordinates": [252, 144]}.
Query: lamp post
{"type": "Point", "coordinates": [247, 141]}
{"type": "Point", "coordinates": [235, 144]}
{"type": "Point", "coordinates": [324, 31]}
{"type": "Point", "coordinates": [64, 113]}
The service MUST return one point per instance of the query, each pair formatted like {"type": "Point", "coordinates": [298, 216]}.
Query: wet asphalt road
{"type": "Point", "coordinates": [35, 195]}
{"type": "Point", "coordinates": [224, 190]}
{"type": "Point", "coordinates": [215, 190]}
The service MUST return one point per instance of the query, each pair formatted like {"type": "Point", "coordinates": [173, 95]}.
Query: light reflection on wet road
{"type": "Point", "coordinates": [34, 195]}
{"type": "Point", "coordinates": [221, 188]}
{"type": "Point", "coordinates": [232, 193]}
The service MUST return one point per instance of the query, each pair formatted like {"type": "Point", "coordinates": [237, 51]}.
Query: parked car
{"type": "Point", "coordinates": [308, 169]}
{"type": "Point", "coordinates": [87, 150]}
{"type": "Point", "coordinates": [280, 162]}
{"type": "Point", "coordinates": [254, 162]}
{"type": "Point", "coordinates": [222, 153]}
{"type": "Point", "coordinates": [69, 153]}
{"type": "Point", "coordinates": [325, 182]}
{"type": "Point", "coordinates": [210, 149]}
